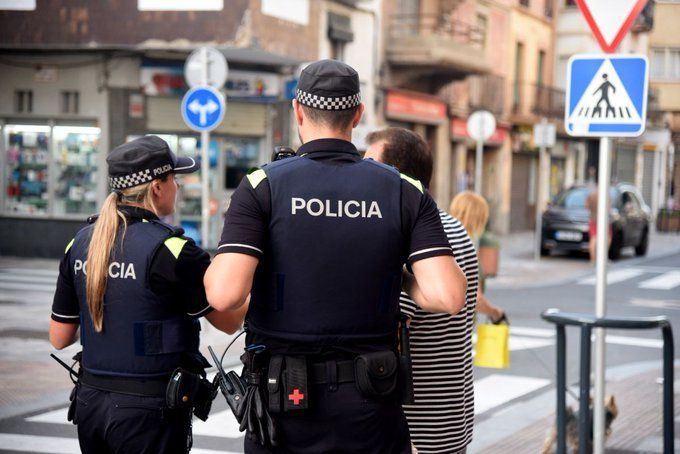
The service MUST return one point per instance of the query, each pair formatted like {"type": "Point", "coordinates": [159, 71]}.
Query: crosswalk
{"type": "Point", "coordinates": [27, 280]}
{"type": "Point", "coordinates": [647, 278]}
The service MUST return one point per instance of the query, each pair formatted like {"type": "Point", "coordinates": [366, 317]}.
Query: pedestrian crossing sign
{"type": "Point", "coordinates": [606, 95]}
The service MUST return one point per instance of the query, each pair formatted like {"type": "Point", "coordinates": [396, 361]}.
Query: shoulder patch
{"type": "Point", "coordinates": [68, 246]}
{"type": "Point", "coordinates": [175, 245]}
{"type": "Point", "coordinates": [414, 182]}
{"type": "Point", "coordinates": [256, 177]}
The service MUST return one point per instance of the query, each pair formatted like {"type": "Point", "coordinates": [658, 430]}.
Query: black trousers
{"type": "Point", "coordinates": [341, 421]}
{"type": "Point", "coordinates": [119, 423]}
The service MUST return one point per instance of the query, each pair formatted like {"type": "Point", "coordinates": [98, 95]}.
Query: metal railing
{"type": "Point", "coordinates": [587, 322]}
{"type": "Point", "coordinates": [537, 99]}
{"type": "Point", "coordinates": [487, 93]}
{"type": "Point", "coordinates": [441, 25]}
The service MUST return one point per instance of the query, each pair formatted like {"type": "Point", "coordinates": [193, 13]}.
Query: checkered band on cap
{"type": "Point", "coordinates": [131, 180]}
{"type": "Point", "coordinates": [320, 102]}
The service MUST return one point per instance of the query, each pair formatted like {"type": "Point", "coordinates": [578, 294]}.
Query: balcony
{"type": "Point", "coordinates": [531, 101]}
{"type": "Point", "coordinates": [434, 49]}
{"type": "Point", "coordinates": [487, 93]}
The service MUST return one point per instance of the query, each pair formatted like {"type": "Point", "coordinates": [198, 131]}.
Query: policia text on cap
{"type": "Point", "coordinates": [134, 286]}
{"type": "Point", "coordinates": [319, 240]}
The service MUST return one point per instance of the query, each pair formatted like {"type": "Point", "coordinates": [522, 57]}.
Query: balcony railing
{"type": "Point", "coordinates": [537, 99]}
{"type": "Point", "coordinates": [440, 25]}
{"type": "Point", "coordinates": [487, 93]}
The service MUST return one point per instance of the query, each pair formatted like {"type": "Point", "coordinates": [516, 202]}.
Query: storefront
{"type": "Point", "coordinates": [243, 140]}
{"type": "Point", "coordinates": [426, 115]}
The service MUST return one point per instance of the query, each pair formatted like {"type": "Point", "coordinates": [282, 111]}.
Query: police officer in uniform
{"type": "Point", "coordinates": [134, 286]}
{"type": "Point", "coordinates": [321, 239]}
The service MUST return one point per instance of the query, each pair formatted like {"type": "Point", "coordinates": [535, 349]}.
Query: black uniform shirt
{"type": "Point", "coordinates": [247, 224]}
{"type": "Point", "coordinates": [179, 281]}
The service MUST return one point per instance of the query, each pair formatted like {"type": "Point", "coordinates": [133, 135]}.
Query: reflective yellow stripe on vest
{"type": "Point", "coordinates": [413, 181]}
{"type": "Point", "coordinates": [175, 245]}
{"type": "Point", "coordinates": [256, 177]}
{"type": "Point", "coordinates": [68, 246]}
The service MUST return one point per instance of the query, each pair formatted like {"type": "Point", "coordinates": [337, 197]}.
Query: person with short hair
{"type": "Point", "coordinates": [133, 285]}
{"type": "Point", "coordinates": [320, 240]}
{"type": "Point", "coordinates": [442, 416]}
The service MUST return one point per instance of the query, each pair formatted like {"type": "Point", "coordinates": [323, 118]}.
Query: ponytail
{"type": "Point", "coordinates": [102, 242]}
{"type": "Point", "coordinates": [98, 257]}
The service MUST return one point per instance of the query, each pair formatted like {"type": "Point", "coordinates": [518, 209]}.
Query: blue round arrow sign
{"type": "Point", "coordinates": [203, 108]}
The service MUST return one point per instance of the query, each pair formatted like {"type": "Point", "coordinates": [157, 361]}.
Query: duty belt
{"type": "Point", "coordinates": [151, 387]}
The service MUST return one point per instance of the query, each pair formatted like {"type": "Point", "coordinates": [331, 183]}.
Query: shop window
{"type": "Point", "coordinates": [75, 159]}
{"type": "Point", "coordinates": [23, 101]}
{"type": "Point", "coordinates": [26, 169]}
{"type": "Point", "coordinates": [70, 102]}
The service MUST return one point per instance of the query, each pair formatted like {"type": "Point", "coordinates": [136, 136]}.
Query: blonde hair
{"type": "Point", "coordinates": [471, 210]}
{"type": "Point", "coordinates": [103, 238]}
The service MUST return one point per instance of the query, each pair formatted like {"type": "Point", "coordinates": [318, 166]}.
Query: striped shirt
{"type": "Point", "coordinates": [441, 419]}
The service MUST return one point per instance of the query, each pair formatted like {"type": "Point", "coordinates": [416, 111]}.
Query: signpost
{"type": "Point", "coordinates": [606, 97]}
{"type": "Point", "coordinates": [480, 126]}
{"type": "Point", "coordinates": [203, 108]}
{"type": "Point", "coordinates": [545, 136]}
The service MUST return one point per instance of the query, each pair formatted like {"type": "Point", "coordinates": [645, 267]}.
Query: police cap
{"type": "Point", "coordinates": [145, 159]}
{"type": "Point", "coordinates": [328, 85]}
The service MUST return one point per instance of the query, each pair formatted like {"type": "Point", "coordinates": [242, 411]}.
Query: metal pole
{"type": "Point", "coordinates": [561, 390]}
{"type": "Point", "coordinates": [478, 166]}
{"type": "Point", "coordinates": [205, 164]}
{"type": "Point", "coordinates": [540, 189]}
{"type": "Point", "coordinates": [668, 384]}
{"type": "Point", "coordinates": [584, 394]}
{"type": "Point", "coordinates": [602, 246]}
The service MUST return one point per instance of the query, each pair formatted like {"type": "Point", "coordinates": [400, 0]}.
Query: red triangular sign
{"type": "Point", "coordinates": [610, 20]}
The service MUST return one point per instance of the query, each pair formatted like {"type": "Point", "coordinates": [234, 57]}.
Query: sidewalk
{"type": "Point", "coordinates": [638, 391]}
{"type": "Point", "coordinates": [518, 268]}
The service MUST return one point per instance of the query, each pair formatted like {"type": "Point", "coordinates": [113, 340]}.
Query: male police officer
{"type": "Point", "coordinates": [321, 239]}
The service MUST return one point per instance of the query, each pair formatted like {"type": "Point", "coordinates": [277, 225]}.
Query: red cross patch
{"type": "Point", "coordinates": [296, 396]}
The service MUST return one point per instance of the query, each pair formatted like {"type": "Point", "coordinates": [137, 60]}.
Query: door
{"type": "Point", "coordinates": [523, 193]}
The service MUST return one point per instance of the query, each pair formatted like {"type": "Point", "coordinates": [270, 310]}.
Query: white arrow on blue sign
{"type": "Point", "coordinates": [203, 108]}
{"type": "Point", "coordinates": [606, 95]}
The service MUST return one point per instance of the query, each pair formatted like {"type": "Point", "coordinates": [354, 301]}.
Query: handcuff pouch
{"type": "Point", "coordinates": [376, 373]}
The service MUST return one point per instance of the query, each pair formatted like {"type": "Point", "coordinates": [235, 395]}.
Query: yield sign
{"type": "Point", "coordinates": [610, 20]}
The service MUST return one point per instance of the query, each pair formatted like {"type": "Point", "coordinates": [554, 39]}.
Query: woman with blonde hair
{"type": "Point", "coordinates": [472, 210]}
{"type": "Point", "coordinates": [134, 287]}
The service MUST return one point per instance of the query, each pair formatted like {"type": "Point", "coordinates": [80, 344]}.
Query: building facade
{"type": "Point", "coordinates": [77, 81]}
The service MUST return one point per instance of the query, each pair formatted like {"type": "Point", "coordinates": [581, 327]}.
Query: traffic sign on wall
{"type": "Point", "coordinates": [203, 108]}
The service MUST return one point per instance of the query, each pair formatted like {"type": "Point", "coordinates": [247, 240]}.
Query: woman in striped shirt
{"type": "Point", "coordinates": [442, 415]}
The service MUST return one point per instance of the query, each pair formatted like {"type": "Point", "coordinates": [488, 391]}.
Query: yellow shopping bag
{"type": "Point", "coordinates": [492, 348]}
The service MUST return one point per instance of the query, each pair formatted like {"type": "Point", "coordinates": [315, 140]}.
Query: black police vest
{"type": "Point", "coordinates": [332, 271]}
{"type": "Point", "coordinates": [143, 335]}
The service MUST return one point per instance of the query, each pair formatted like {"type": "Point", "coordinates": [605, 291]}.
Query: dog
{"type": "Point", "coordinates": [611, 411]}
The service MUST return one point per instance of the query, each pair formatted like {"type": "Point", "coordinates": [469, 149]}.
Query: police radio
{"type": "Point", "coordinates": [282, 153]}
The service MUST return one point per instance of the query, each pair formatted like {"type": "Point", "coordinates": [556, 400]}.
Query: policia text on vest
{"type": "Point", "coordinates": [335, 209]}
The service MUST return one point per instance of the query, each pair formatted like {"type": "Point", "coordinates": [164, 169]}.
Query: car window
{"type": "Point", "coordinates": [576, 197]}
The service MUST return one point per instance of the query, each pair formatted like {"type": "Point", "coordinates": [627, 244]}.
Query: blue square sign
{"type": "Point", "coordinates": [606, 95]}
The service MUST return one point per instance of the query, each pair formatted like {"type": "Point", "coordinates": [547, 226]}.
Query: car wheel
{"type": "Point", "coordinates": [641, 249]}
{"type": "Point", "coordinates": [615, 247]}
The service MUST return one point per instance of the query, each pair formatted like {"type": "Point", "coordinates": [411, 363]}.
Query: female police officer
{"type": "Point", "coordinates": [135, 287]}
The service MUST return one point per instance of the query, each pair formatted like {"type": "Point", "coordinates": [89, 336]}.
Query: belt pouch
{"type": "Point", "coordinates": [182, 389]}
{"type": "Point", "coordinates": [71, 415]}
{"type": "Point", "coordinates": [296, 396]}
{"type": "Point", "coordinates": [274, 383]}
{"type": "Point", "coordinates": [376, 373]}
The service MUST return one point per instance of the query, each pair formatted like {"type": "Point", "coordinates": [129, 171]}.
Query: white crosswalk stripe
{"type": "Point", "coordinates": [666, 281]}
{"type": "Point", "coordinates": [614, 276]}
{"type": "Point", "coordinates": [29, 280]}
{"type": "Point", "coordinates": [495, 390]}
